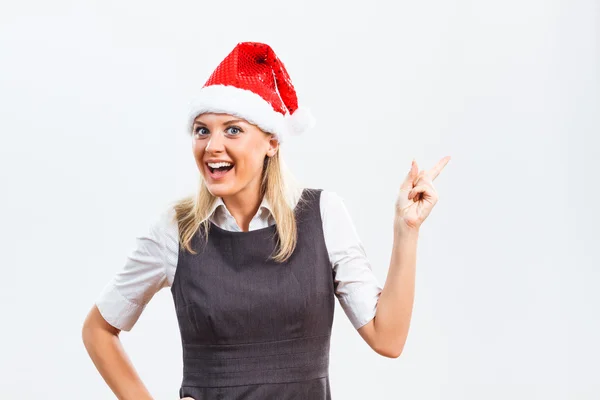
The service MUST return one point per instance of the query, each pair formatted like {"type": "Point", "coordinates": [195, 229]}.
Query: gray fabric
{"type": "Point", "coordinates": [252, 328]}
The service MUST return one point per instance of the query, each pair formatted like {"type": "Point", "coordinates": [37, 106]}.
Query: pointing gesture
{"type": "Point", "coordinates": [417, 195]}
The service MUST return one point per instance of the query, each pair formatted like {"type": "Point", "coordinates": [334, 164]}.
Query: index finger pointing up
{"type": "Point", "coordinates": [435, 171]}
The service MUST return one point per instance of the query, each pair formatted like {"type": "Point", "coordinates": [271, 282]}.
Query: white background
{"type": "Point", "coordinates": [93, 105]}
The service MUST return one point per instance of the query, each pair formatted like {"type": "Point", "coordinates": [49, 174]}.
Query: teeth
{"type": "Point", "coordinates": [219, 164]}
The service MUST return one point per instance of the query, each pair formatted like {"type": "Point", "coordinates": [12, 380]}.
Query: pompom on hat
{"type": "Point", "coordinates": [253, 84]}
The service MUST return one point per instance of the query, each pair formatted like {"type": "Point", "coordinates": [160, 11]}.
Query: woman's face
{"type": "Point", "coordinates": [242, 146]}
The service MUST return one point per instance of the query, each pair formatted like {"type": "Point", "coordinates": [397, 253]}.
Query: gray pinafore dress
{"type": "Point", "coordinates": [252, 328]}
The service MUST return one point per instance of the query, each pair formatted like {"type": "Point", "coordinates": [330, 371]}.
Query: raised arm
{"type": "Point", "coordinates": [417, 196]}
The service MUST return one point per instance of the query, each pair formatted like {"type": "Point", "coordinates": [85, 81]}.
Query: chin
{"type": "Point", "coordinates": [220, 189]}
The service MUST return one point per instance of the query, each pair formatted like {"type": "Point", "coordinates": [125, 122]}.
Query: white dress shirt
{"type": "Point", "coordinates": [151, 264]}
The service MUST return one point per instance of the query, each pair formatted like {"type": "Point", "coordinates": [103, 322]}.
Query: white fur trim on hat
{"type": "Point", "coordinates": [239, 102]}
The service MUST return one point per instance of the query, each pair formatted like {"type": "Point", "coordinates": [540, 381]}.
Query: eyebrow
{"type": "Point", "coordinates": [225, 123]}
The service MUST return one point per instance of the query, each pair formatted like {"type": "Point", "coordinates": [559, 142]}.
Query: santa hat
{"type": "Point", "coordinates": [253, 84]}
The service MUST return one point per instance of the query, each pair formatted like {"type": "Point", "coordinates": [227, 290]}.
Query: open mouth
{"type": "Point", "coordinates": [218, 170]}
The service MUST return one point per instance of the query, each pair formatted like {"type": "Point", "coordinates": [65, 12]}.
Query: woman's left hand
{"type": "Point", "coordinates": [417, 196]}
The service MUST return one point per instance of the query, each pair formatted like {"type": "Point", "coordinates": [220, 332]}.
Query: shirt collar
{"type": "Point", "coordinates": [219, 204]}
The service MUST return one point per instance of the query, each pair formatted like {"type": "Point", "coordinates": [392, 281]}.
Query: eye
{"type": "Point", "coordinates": [200, 131]}
{"type": "Point", "coordinates": [234, 130]}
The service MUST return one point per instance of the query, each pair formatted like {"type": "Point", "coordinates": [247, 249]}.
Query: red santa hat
{"type": "Point", "coordinates": [253, 84]}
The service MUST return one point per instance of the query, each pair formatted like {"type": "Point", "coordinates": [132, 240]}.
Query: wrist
{"type": "Point", "coordinates": [403, 230]}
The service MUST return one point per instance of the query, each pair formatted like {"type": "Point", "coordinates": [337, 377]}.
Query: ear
{"type": "Point", "coordinates": [273, 146]}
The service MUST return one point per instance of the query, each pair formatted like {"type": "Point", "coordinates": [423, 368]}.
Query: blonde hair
{"type": "Point", "coordinates": [279, 187]}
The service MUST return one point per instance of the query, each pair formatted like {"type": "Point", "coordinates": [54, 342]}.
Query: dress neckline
{"type": "Point", "coordinates": [259, 230]}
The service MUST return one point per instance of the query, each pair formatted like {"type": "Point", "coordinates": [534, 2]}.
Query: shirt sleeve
{"type": "Point", "coordinates": [357, 288]}
{"type": "Point", "coordinates": [148, 267]}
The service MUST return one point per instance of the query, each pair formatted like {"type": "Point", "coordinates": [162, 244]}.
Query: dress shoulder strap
{"type": "Point", "coordinates": [308, 206]}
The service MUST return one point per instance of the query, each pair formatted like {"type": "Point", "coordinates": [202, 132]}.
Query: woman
{"type": "Point", "coordinates": [253, 261]}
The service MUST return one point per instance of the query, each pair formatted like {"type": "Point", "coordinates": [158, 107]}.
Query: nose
{"type": "Point", "coordinates": [215, 143]}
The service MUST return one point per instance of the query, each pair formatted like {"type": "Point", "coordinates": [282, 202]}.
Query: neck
{"type": "Point", "coordinates": [243, 206]}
